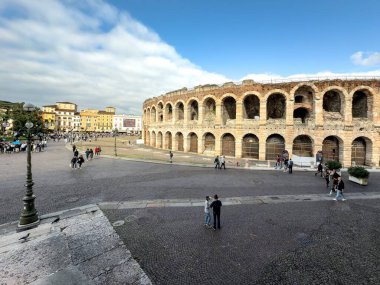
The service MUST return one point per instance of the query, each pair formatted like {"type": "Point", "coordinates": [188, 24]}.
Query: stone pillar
{"type": "Point", "coordinates": [348, 111]}
{"type": "Point", "coordinates": [218, 143]}
{"type": "Point", "coordinates": [262, 147]}
{"type": "Point", "coordinates": [346, 162]}
{"type": "Point", "coordinates": [289, 112]}
{"type": "Point", "coordinates": [239, 115]}
{"type": "Point", "coordinates": [218, 114]}
{"type": "Point", "coordinates": [318, 109]}
{"type": "Point", "coordinates": [200, 115]}
{"type": "Point", "coordinates": [200, 145]}
{"type": "Point", "coordinates": [238, 147]}
{"type": "Point", "coordinates": [186, 143]}
{"type": "Point", "coordinates": [263, 112]}
{"type": "Point", "coordinates": [185, 116]}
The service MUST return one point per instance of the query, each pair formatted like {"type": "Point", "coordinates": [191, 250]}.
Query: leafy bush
{"type": "Point", "coordinates": [334, 164]}
{"type": "Point", "coordinates": [358, 172]}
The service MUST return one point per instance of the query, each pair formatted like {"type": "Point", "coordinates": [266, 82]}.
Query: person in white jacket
{"type": "Point", "coordinates": [207, 212]}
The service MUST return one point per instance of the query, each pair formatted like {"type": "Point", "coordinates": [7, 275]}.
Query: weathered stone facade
{"type": "Point", "coordinates": [259, 121]}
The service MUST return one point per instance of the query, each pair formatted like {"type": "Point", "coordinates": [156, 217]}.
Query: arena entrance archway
{"type": "Point", "coordinates": [251, 108]}
{"type": "Point", "coordinates": [193, 142]}
{"type": "Point", "coordinates": [168, 140]}
{"type": "Point", "coordinates": [331, 148]}
{"type": "Point", "coordinates": [361, 151]}
{"type": "Point", "coordinates": [303, 146]}
{"type": "Point", "coordinates": [179, 140]}
{"type": "Point", "coordinates": [276, 106]}
{"type": "Point", "coordinates": [159, 137]}
{"type": "Point", "coordinates": [209, 142]}
{"type": "Point", "coordinates": [250, 146]}
{"type": "Point", "coordinates": [275, 145]}
{"type": "Point", "coordinates": [228, 109]}
{"type": "Point", "coordinates": [228, 145]}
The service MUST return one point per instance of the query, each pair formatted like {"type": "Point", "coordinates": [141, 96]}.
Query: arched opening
{"type": "Point", "coordinates": [209, 107]}
{"type": "Point", "coordinates": [193, 111]}
{"type": "Point", "coordinates": [331, 148]}
{"type": "Point", "coordinates": [209, 142]}
{"type": "Point", "coordinates": [144, 117]}
{"type": "Point", "coordinates": [168, 140]}
{"type": "Point", "coordinates": [159, 141]}
{"type": "Point", "coordinates": [333, 101]}
{"type": "Point", "coordinates": [228, 109]}
{"type": "Point", "coordinates": [160, 112]}
{"type": "Point", "coordinates": [179, 111]}
{"type": "Point", "coordinates": [251, 109]}
{"type": "Point", "coordinates": [361, 151]}
{"type": "Point", "coordinates": [301, 113]}
{"type": "Point", "coordinates": [148, 114]}
{"type": "Point", "coordinates": [276, 106]}
{"type": "Point", "coordinates": [169, 112]}
{"type": "Point", "coordinates": [360, 105]}
{"type": "Point", "coordinates": [193, 142]}
{"type": "Point", "coordinates": [275, 145]}
{"type": "Point", "coordinates": [153, 142]}
{"type": "Point", "coordinates": [179, 140]}
{"type": "Point", "coordinates": [298, 99]}
{"type": "Point", "coordinates": [153, 115]}
{"type": "Point", "coordinates": [228, 145]}
{"type": "Point", "coordinates": [303, 146]}
{"type": "Point", "coordinates": [250, 146]}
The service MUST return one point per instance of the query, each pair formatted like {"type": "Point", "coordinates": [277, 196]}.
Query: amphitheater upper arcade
{"type": "Point", "coordinates": [253, 120]}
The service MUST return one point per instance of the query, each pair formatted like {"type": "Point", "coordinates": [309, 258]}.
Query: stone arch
{"type": "Point", "coordinates": [209, 142]}
{"type": "Point", "coordinates": [153, 114]}
{"type": "Point", "coordinates": [332, 148]}
{"type": "Point", "coordinates": [251, 106]}
{"type": "Point", "coordinates": [274, 146]}
{"type": "Point", "coordinates": [209, 109]}
{"type": "Point", "coordinates": [303, 146]}
{"type": "Point", "coordinates": [334, 101]}
{"type": "Point", "coordinates": [228, 145]}
{"type": "Point", "coordinates": [168, 140]}
{"type": "Point", "coordinates": [179, 141]}
{"type": "Point", "coordinates": [276, 106]}
{"type": "Point", "coordinates": [148, 115]}
{"type": "Point", "coordinates": [301, 113]}
{"type": "Point", "coordinates": [193, 142]}
{"type": "Point", "coordinates": [361, 151]}
{"type": "Point", "coordinates": [304, 96]}
{"type": "Point", "coordinates": [168, 112]}
{"type": "Point", "coordinates": [228, 109]}
{"type": "Point", "coordinates": [159, 140]}
{"type": "Point", "coordinates": [180, 111]}
{"type": "Point", "coordinates": [193, 110]}
{"type": "Point", "coordinates": [306, 86]}
{"type": "Point", "coordinates": [362, 103]}
{"type": "Point", "coordinates": [250, 146]}
{"type": "Point", "coordinates": [153, 141]}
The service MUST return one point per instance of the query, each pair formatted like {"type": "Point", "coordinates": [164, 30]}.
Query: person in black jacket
{"type": "Point", "coordinates": [216, 205]}
{"type": "Point", "coordinates": [339, 190]}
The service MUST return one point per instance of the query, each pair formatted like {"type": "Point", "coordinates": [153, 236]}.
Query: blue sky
{"type": "Point", "coordinates": [120, 52]}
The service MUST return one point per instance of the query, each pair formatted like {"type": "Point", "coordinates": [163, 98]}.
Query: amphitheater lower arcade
{"type": "Point", "coordinates": [259, 121]}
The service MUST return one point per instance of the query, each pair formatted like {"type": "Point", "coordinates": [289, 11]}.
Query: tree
{"type": "Point", "coordinates": [20, 117]}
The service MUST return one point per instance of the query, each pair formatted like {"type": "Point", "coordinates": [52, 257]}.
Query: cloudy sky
{"type": "Point", "coordinates": [118, 53]}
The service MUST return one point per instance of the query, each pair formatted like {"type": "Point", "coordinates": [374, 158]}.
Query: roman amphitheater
{"type": "Point", "coordinates": [259, 121]}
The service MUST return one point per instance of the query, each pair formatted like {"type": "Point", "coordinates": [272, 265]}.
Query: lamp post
{"type": "Point", "coordinates": [29, 215]}
{"type": "Point", "coordinates": [115, 134]}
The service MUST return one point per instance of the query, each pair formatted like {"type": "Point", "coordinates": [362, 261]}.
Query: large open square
{"type": "Point", "coordinates": [276, 228]}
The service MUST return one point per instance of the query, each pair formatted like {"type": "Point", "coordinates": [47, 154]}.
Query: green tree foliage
{"type": "Point", "coordinates": [20, 117]}
{"type": "Point", "coordinates": [331, 164]}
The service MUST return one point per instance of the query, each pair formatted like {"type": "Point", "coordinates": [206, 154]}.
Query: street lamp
{"type": "Point", "coordinates": [29, 215]}
{"type": "Point", "coordinates": [115, 134]}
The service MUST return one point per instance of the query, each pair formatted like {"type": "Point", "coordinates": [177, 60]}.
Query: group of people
{"type": "Point", "coordinates": [336, 178]}
{"type": "Point", "coordinates": [215, 206]}
{"type": "Point", "coordinates": [18, 146]}
{"type": "Point", "coordinates": [220, 162]}
{"type": "Point", "coordinates": [284, 162]}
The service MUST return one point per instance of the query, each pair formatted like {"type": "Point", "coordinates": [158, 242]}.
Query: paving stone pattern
{"type": "Point", "coordinates": [290, 243]}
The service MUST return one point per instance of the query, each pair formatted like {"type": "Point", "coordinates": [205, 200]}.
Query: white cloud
{"type": "Point", "coordinates": [86, 52]}
{"type": "Point", "coordinates": [366, 58]}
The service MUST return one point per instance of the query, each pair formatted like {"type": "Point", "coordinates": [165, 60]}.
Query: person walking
{"type": "Point", "coordinates": [87, 152]}
{"type": "Point", "coordinates": [80, 161]}
{"type": "Point", "coordinates": [222, 162]}
{"type": "Point", "coordinates": [319, 170]}
{"type": "Point", "coordinates": [74, 162]}
{"type": "Point", "coordinates": [335, 179]}
{"type": "Point", "coordinates": [207, 212]}
{"type": "Point", "coordinates": [339, 190]}
{"type": "Point", "coordinates": [216, 205]}
{"type": "Point", "coordinates": [327, 177]}
{"type": "Point", "coordinates": [171, 156]}
{"type": "Point", "coordinates": [216, 161]}
{"type": "Point", "coordinates": [290, 165]}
